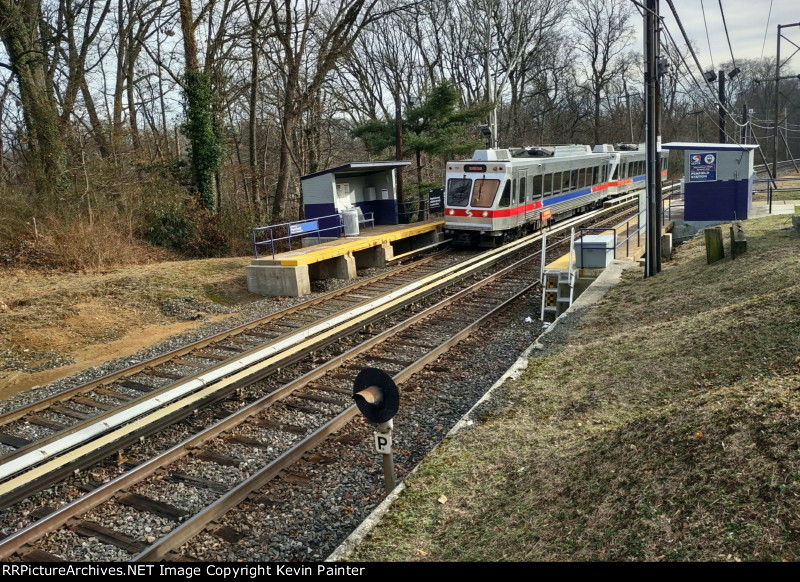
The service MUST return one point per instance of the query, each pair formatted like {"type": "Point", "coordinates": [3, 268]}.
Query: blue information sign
{"type": "Point", "coordinates": [703, 167]}
{"type": "Point", "coordinates": [311, 226]}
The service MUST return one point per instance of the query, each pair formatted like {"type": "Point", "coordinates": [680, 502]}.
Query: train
{"type": "Point", "coordinates": [501, 194]}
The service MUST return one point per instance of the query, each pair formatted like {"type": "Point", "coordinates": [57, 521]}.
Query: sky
{"type": "Point", "coordinates": [747, 22]}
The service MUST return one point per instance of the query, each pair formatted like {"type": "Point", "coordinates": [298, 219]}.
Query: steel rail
{"type": "Point", "coordinates": [197, 523]}
{"type": "Point", "coordinates": [63, 515]}
{"type": "Point", "coordinates": [44, 403]}
{"type": "Point", "coordinates": [120, 427]}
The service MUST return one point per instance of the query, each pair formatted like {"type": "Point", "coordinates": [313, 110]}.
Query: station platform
{"type": "Point", "coordinates": [290, 273]}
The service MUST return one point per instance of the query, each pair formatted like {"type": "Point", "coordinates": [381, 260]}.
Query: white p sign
{"type": "Point", "coordinates": [383, 443]}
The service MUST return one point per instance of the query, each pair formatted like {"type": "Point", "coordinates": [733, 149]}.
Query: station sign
{"type": "Point", "coordinates": [703, 167]}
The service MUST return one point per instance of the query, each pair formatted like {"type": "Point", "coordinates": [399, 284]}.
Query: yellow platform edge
{"type": "Point", "coordinates": [355, 245]}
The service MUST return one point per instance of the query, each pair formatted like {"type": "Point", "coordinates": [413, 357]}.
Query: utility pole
{"type": "Point", "coordinates": [652, 145]}
{"type": "Point", "coordinates": [745, 120]}
{"type": "Point", "coordinates": [721, 98]}
{"type": "Point", "coordinates": [398, 141]}
{"type": "Point", "coordinates": [628, 105]}
{"type": "Point", "coordinates": [777, 94]}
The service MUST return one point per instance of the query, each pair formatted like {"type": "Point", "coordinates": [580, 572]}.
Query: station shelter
{"type": "Point", "coordinates": [369, 186]}
{"type": "Point", "coordinates": [718, 180]}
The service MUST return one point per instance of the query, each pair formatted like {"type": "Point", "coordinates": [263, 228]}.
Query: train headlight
{"type": "Point", "coordinates": [485, 213]}
{"type": "Point", "coordinates": [451, 212]}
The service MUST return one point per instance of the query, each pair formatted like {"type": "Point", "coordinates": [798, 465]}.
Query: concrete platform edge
{"type": "Point", "coordinates": [608, 279]}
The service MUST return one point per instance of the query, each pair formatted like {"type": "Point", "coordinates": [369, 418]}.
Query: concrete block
{"type": "Point", "coordinates": [666, 245]}
{"type": "Point", "coordinates": [343, 267]}
{"type": "Point", "coordinates": [278, 280]}
{"type": "Point", "coordinates": [374, 257]}
{"type": "Point", "coordinates": [796, 222]}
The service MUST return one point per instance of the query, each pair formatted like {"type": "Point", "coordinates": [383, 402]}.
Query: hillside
{"type": "Point", "coordinates": [665, 426]}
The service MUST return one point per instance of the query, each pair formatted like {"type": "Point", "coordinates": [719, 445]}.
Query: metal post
{"type": "Point", "coordinates": [769, 195]}
{"type": "Point", "coordinates": [721, 108]}
{"type": "Point", "coordinates": [651, 46]}
{"type": "Point", "coordinates": [389, 480]}
{"type": "Point", "coordinates": [777, 93]}
{"type": "Point", "coordinates": [544, 256]}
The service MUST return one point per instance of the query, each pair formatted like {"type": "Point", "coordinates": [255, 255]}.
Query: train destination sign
{"type": "Point", "coordinates": [703, 167]}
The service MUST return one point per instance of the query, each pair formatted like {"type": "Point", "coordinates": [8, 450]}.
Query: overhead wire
{"type": "Point", "coordinates": [725, 24]}
{"type": "Point", "coordinates": [766, 30]}
{"type": "Point", "coordinates": [708, 37]}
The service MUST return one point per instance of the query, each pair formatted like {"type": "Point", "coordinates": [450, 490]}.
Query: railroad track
{"type": "Point", "coordinates": [328, 393]}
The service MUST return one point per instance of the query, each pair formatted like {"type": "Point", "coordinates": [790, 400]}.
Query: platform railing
{"type": "Point", "coordinates": [772, 187]}
{"type": "Point", "coordinates": [407, 211]}
{"type": "Point", "coordinates": [287, 231]}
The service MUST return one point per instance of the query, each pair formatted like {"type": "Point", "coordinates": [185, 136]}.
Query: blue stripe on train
{"type": "Point", "coordinates": [571, 195]}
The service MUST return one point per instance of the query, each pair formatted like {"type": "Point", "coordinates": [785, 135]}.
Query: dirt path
{"type": "Point", "coordinates": [55, 325]}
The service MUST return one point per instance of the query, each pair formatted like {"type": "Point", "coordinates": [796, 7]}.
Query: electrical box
{"type": "Point", "coordinates": [594, 251]}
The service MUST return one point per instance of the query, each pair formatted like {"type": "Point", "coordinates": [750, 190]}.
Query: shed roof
{"type": "Point", "coordinates": [688, 145]}
{"type": "Point", "coordinates": [359, 168]}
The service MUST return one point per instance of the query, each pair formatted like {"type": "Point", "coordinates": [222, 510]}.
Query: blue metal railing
{"type": "Point", "coordinates": [286, 231]}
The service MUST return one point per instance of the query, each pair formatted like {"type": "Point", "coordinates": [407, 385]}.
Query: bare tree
{"type": "Point", "coordinates": [604, 35]}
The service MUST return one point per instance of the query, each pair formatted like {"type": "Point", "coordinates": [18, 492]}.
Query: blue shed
{"type": "Point", "coordinates": [370, 186]}
{"type": "Point", "coordinates": [718, 180]}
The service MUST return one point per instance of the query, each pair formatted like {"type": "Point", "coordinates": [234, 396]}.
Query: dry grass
{"type": "Point", "coordinates": [667, 429]}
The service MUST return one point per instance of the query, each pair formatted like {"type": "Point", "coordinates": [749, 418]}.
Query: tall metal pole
{"type": "Point", "coordinates": [398, 142]}
{"type": "Point", "coordinates": [651, 45]}
{"type": "Point", "coordinates": [745, 119]}
{"type": "Point", "coordinates": [489, 84]}
{"type": "Point", "coordinates": [777, 93]}
{"type": "Point", "coordinates": [721, 98]}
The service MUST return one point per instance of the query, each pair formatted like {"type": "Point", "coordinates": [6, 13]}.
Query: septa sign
{"type": "Point", "coordinates": [703, 167]}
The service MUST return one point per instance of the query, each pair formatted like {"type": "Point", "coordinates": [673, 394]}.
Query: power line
{"type": "Point", "coordinates": [766, 29]}
{"type": "Point", "coordinates": [708, 38]}
{"type": "Point", "coordinates": [725, 24]}
{"type": "Point", "coordinates": [696, 60]}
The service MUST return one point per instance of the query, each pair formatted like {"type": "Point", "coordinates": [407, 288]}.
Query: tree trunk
{"type": "Point", "coordinates": [19, 31]}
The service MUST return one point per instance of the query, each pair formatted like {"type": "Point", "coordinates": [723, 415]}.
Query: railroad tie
{"type": "Point", "coordinates": [91, 529]}
{"type": "Point", "coordinates": [46, 422]}
{"type": "Point", "coordinates": [93, 403]}
{"type": "Point", "coordinates": [226, 533]}
{"type": "Point", "coordinates": [137, 386]}
{"type": "Point", "coordinates": [217, 458]}
{"type": "Point", "coordinates": [148, 505]}
{"type": "Point", "coordinates": [115, 394]}
{"type": "Point", "coordinates": [279, 426]}
{"type": "Point", "coordinates": [71, 412]}
{"type": "Point", "coordinates": [40, 556]}
{"type": "Point", "coordinates": [13, 441]}
{"type": "Point", "coordinates": [198, 482]}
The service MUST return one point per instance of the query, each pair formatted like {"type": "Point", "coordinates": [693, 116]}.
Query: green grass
{"type": "Point", "coordinates": [667, 428]}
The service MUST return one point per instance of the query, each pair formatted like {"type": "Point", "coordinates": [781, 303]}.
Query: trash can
{"type": "Point", "coordinates": [350, 217]}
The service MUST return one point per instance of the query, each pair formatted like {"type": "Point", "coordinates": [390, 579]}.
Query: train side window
{"type": "Point", "coordinates": [484, 191]}
{"type": "Point", "coordinates": [522, 189]}
{"type": "Point", "coordinates": [548, 185]}
{"type": "Point", "coordinates": [595, 175]}
{"type": "Point", "coordinates": [458, 191]}
{"type": "Point", "coordinates": [537, 187]}
{"type": "Point", "coordinates": [514, 188]}
{"type": "Point", "coordinates": [505, 199]}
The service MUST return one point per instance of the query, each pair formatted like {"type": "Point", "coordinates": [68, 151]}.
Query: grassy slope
{"type": "Point", "coordinates": [667, 428]}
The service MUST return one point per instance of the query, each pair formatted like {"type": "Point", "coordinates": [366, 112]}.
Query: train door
{"type": "Point", "coordinates": [522, 197]}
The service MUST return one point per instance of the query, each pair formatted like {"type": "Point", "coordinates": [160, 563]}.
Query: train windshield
{"type": "Point", "coordinates": [483, 193]}
{"type": "Point", "coordinates": [458, 191]}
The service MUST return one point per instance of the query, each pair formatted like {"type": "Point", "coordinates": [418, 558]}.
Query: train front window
{"type": "Point", "coordinates": [458, 191]}
{"type": "Point", "coordinates": [483, 193]}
